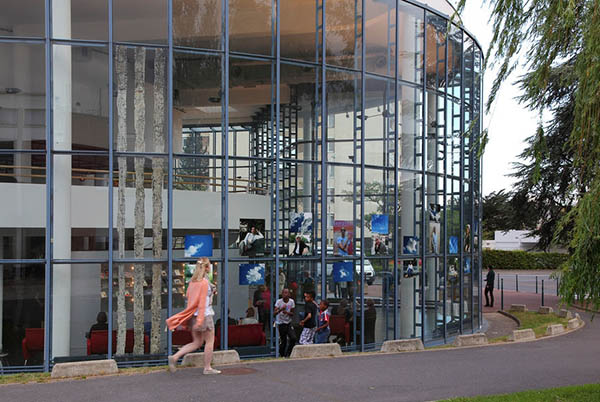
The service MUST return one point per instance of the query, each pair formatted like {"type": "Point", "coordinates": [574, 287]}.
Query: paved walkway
{"type": "Point", "coordinates": [422, 376]}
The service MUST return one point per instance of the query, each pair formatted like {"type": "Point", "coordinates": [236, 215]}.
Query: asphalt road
{"type": "Point", "coordinates": [422, 376]}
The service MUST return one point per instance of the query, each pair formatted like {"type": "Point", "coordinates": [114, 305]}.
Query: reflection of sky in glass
{"type": "Point", "coordinates": [411, 245]}
{"type": "Point", "coordinates": [252, 274]}
{"type": "Point", "coordinates": [198, 246]}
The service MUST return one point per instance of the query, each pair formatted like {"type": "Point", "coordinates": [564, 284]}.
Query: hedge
{"type": "Point", "coordinates": [502, 259]}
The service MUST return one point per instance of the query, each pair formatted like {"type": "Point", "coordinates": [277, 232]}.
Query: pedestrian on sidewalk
{"type": "Point", "coordinates": [197, 317]}
{"type": "Point", "coordinates": [284, 311]}
{"type": "Point", "coordinates": [489, 287]}
{"type": "Point", "coordinates": [309, 322]}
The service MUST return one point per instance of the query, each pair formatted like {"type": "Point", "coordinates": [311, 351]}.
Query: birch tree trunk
{"type": "Point", "coordinates": [121, 72]}
{"type": "Point", "coordinates": [139, 213]}
{"type": "Point", "coordinates": [157, 194]}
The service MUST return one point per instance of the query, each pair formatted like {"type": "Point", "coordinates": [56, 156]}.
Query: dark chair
{"type": "Point", "coordinates": [339, 328]}
{"type": "Point", "coordinates": [33, 342]}
{"type": "Point", "coordinates": [181, 337]}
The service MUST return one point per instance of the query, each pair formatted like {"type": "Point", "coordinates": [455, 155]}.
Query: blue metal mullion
{"type": "Point", "coordinates": [110, 175]}
{"type": "Point", "coordinates": [471, 183]}
{"type": "Point", "coordinates": [423, 176]}
{"type": "Point", "coordinates": [49, 176]}
{"type": "Point", "coordinates": [324, 173]}
{"type": "Point", "coordinates": [170, 166]}
{"type": "Point", "coordinates": [225, 174]}
{"type": "Point", "coordinates": [461, 240]}
{"type": "Point", "coordinates": [395, 209]}
{"type": "Point", "coordinates": [362, 178]}
{"type": "Point", "coordinates": [480, 184]}
{"type": "Point", "coordinates": [444, 238]}
{"type": "Point", "coordinates": [277, 159]}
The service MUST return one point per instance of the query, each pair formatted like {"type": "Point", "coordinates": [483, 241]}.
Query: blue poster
{"type": "Point", "coordinates": [411, 245]}
{"type": "Point", "coordinates": [380, 224]}
{"type": "Point", "coordinates": [453, 245]}
{"type": "Point", "coordinates": [467, 269]}
{"type": "Point", "coordinates": [252, 274]}
{"type": "Point", "coordinates": [343, 271]}
{"type": "Point", "coordinates": [198, 246]}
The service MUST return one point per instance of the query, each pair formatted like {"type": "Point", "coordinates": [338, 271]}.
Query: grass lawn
{"type": "Point", "coordinates": [577, 393]}
{"type": "Point", "coordinates": [535, 321]}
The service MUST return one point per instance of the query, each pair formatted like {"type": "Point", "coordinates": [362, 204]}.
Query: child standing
{"type": "Point", "coordinates": [323, 331]}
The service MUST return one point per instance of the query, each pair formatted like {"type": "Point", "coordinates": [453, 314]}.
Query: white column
{"type": "Point", "coordinates": [62, 106]}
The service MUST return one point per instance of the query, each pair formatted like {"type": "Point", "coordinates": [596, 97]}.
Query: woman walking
{"type": "Point", "coordinates": [198, 317]}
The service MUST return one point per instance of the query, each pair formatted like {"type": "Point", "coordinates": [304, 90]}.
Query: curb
{"type": "Point", "coordinates": [509, 315]}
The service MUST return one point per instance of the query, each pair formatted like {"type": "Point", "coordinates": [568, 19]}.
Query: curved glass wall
{"type": "Point", "coordinates": [302, 145]}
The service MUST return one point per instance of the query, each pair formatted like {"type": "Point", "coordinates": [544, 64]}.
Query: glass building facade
{"type": "Point", "coordinates": [136, 135]}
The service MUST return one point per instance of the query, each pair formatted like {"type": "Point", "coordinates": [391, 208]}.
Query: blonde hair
{"type": "Point", "coordinates": [200, 271]}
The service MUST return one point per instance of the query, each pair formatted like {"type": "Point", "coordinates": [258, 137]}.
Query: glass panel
{"type": "Point", "coordinates": [434, 298]}
{"type": "Point", "coordinates": [410, 212]}
{"type": "Point", "coordinates": [79, 188]}
{"type": "Point", "coordinates": [410, 43]}
{"type": "Point", "coordinates": [298, 29]}
{"type": "Point", "coordinates": [434, 216]}
{"type": "Point", "coordinates": [197, 23]}
{"type": "Point", "coordinates": [343, 107]}
{"type": "Point", "coordinates": [250, 26]}
{"type": "Point", "coordinates": [141, 96]}
{"type": "Point", "coordinates": [80, 311]}
{"type": "Point", "coordinates": [84, 19]}
{"type": "Point", "coordinates": [379, 302]}
{"type": "Point", "coordinates": [23, 96]}
{"type": "Point", "coordinates": [197, 114]}
{"type": "Point", "coordinates": [140, 21]}
{"type": "Point", "coordinates": [380, 36]}
{"type": "Point", "coordinates": [379, 213]}
{"type": "Point", "coordinates": [344, 36]}
{"type": "Point", "coordinates": [380, 138]}
{"type": "Point", "coordinates": [81, 98]}
{"type": "Point", "coordinates": [251, 297]}
{"type": "Point", "coordinates": [455, 59]}
{"type": "Point", "coordinates": [436, 51]}
{"type": "Point", "coordinates": [22, 288]}
{"type": "Point", "coordinates": [140, 306]}
{"type": "Point", "coordinates": [410, 128]}
{"type": "Point", "coordinates": [251, 99]}
{"type": "Point", "coordinates": [343, 211]}
{"type": "Point", "coordinates": [435, 132]}
{"type": "Point", "coordinates": [453, 146]}
{"type": "Point", "coordinates": [140, 206]}
{"type": "Point", "coordinates": [343, 279]}
{"type": "Point", "coordinates": [409, 297]}
{"type": "Point", "coordinates": [22, 19]}
{"type": "Point", "coordinates": [299, 91]}
{"type": "Point", "coordinates": [23, 215]}
{"type": "Point", "coordinates": [452, 216]}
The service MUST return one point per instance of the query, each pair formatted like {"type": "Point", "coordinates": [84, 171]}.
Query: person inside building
{"type": "Point", "coordinates": [250, 317]}
{"type": "Point", "coordinates": [100, 325]}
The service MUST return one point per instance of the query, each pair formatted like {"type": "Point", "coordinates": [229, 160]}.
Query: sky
{"type": "Point", "coordinates": [508, 122]}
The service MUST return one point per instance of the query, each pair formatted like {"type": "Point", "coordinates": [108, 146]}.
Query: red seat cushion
{"type": "Point", "coordinates": [242, 335]}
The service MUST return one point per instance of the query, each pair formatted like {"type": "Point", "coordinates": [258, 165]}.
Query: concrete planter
{"type": "Point", "coordinates": [316, 350]}
{"type": "Point", "coordinates": [555, 329]}
{"type": "Point", "coordinates": [219, 358]}
{"type": "Point", "coordinates": [471, 340]}
{"type": "Point", "coordinates": [521, 335]}
{"type": "Point", "coordinates": [402, 345]}
{"type": "Point", "coordinates": [87, 368]}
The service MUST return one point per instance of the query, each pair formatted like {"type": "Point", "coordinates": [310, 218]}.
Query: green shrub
{"type": "Point", "coordinates": [502, 259]}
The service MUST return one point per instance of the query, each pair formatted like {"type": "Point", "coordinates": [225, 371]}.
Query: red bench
{"type": "Point", "coordinates": [33, 342]}
{"type": "Point", "coordinates": [97, 343]}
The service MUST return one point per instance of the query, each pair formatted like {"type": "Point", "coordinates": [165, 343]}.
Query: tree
{"type": "Point", "coordinates": [158, 178]}
{"type": "Point", "coordinates": [139, 122]}
{"type": "Point", "coordinates": [558, 31]}
{"type": "Point", "coordinates": [546, 175]}
{"type": "Point", "coordinates": [121, 108]}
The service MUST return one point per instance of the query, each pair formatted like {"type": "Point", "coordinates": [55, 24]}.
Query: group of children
{"type": "Point", "coordinates": [315, 324]}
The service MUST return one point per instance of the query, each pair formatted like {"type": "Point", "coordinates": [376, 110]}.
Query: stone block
{"type": "Point", "coordinates": [86, 368]}
{"type": "Point", "coordinates": [471, 340]}
{"type": "Point", "coordinates": [518, 307]}
{"type": "Point", "coordinates": [555, 329]}
{"type": "Point", "coordinates": [545, 310]}
{"type": "Point", "coordinates": [316, 350]}
{"type": "Point", "coordinates": [573, 323]}
{"type": "Point", "coordinates": [565, 314]}
{"type": "Point", "coordinates": [520, 335]}
{"type": "Point", "coordinates": [402, 345]}
{"type": "Point", "coordinates": [578, 317]}
{"type": "Point", "coordinates": [219, 357]}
